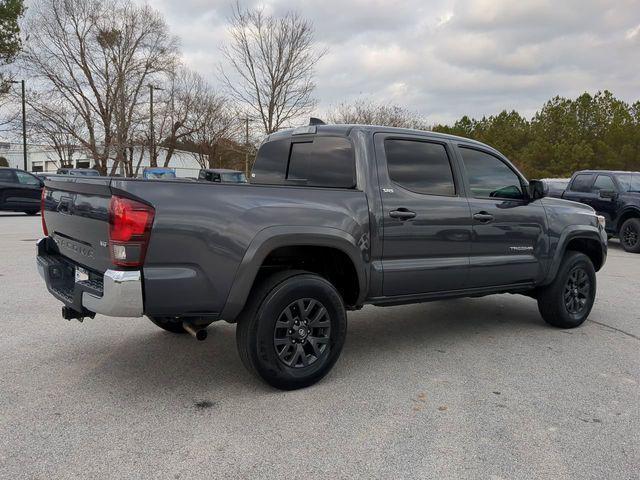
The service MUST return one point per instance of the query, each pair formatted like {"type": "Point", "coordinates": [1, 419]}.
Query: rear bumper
{"type": "Point", "coordinates": [116, 293]}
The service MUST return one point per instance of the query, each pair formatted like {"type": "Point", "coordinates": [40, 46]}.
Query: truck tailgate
{"type": "Point", "coordinates": [77, 218]}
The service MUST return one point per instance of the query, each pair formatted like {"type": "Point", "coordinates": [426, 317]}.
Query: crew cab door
{"type": "Point", "coordinates": [604, 198]}
{"type": "Point", "coordinates": [509, 232]}
{"type": "Point", "coordinates": [426, 220]}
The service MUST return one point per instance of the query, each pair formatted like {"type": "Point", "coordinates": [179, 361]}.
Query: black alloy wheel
{"type": "Point", "coordinates": [302, 333]}
{"type": "Point", "coordinates": [577, 291]}
{"type": "Point", "coordinates": [630, 235]}
{"type": "Point", "coordinates": [567, 301]}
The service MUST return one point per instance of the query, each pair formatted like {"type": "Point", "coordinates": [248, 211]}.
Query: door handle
{"type": "Point", "coordinates": [483, 217]}
{"type": "Point", "coordinates": [402, 214]}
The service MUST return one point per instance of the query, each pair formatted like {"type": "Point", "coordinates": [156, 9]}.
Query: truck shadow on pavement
{"type": "Point", "coordinates": [150, 362]}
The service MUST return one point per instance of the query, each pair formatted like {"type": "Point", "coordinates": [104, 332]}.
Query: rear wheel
{"type": "Point", "coordinates": [630, 235]}
{"type": "Point", "coordinates": [292, 330]}
{"type": "Point", "coordinates": [567, 302]}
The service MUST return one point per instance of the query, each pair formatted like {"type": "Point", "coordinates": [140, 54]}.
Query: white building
{"type": "Point", "coordinates": [42, 158]}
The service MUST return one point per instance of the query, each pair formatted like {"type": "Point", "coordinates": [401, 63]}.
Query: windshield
{"type": "Point", "coordinates": [630, 182]}
{"type": "Point", "coordinates": [234, 177]}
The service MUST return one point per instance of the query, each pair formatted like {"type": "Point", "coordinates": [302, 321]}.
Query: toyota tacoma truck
{"type": "Point", "coordinates": [334, 217]}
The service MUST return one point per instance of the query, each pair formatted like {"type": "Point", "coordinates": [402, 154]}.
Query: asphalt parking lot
{"type": "Point", "coordinates": [472, 388]}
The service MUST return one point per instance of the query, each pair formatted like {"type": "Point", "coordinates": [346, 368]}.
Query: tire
{"type": "Point", "coordinates": [630, 235]}
{"type": "Point", "coordinates": [276, 348]}
{"type": "Point", "coordinates": [568, 300]}
{"type": "Point", "coordinates": [32, 212]}
{"type": "Point", "coordinates": [169, 324]}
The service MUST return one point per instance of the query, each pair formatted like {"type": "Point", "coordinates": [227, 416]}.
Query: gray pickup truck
{"type": "Point", "coordinates": [334, 217]}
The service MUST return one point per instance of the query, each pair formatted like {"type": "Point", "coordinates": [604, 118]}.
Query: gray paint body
{"type": "Point", "coordinates": [209, 239]}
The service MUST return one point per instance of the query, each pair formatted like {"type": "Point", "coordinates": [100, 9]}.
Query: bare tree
{"type": "Point", "coordinates": [48, 133]}
{"type": "Point", "coordinates": [218, 123]}
{"type": "Point", "coordinates": [370, 113]}
{"type": "Point", "coordinates": [96, 57]}
{"type": "Point", "coordinates": [184, 110]}
{"type": "Point", "coordinates": [273, 61]}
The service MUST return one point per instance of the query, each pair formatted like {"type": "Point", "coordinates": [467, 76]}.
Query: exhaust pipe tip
{"type": "Point", "coordinates": [199, 334]}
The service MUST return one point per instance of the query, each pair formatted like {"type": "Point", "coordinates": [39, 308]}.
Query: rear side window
{"type": "Point", "coordinates": [421, 167]}
{"type": "Point", "coordinates": [582, 183]}
{"type": "Point", "coordinates": [7, 176]}
{"type": "Point", "coordinates": [629, 182]}
{"type": "Point", "coordinates": [603, 182]}
{"type": "Point", "coordinates": [317, 162]}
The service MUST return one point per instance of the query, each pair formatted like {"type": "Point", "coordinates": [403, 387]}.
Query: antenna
{"type": "Point", "coordinates": [315, 121]}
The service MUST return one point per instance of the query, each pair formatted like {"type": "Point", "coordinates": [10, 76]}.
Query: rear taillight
{"type": "Point", "coordinates": [42, 209]}
{"type": "Point", "coordinates": [129, 229]}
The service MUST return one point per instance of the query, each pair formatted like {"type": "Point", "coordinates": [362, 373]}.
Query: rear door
{"type": "Point", "coordinates": [30, 190]}
{"type": "Point", "coordinates": [426, 219]}
{"type": "Point", "coordinates": [509, 232]}
{"type": "Point", "coordinates": [8, 188]}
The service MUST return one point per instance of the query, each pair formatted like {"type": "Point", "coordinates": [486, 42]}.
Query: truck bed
{"type": "Point", "coordinates": [201, 234]}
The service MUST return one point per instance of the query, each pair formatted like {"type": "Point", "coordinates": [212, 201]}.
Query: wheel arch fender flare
{"type": "Point", "coordinates": [271, 238]}
{"type": "Point", "coordinates": [573, 232]}
{"type": "Point", "coordinates": [628, 212]}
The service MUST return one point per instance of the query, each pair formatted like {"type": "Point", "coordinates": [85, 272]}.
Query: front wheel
{"type": "Point", "coordinates": [292, 330]}
{"type": "Point", "coordinates": [568, 300]}
{"type": "Point", "coordinates": [630, 235]}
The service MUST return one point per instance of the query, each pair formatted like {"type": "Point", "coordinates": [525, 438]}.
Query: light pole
{"type": "Point", "coordinates": [246, 146]}
{"type": "Point", "coordinates": [24, 123]}
{"type": "Point", "coordinates": [153, 137]}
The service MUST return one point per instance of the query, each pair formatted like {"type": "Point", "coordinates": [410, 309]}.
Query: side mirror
{"type": "Point", "coordinates": [610, 194]}
{"type": "Point", "coordinates": [536, 190]}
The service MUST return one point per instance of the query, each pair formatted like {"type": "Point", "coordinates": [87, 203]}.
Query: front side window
{"type": "Point", "coordinates": [490, 177]}
{"type": "Point", "coordinates": [421, 167]}
{"type": "Point", "coordinates": [582, 183]}
{"type": "Point", "coordinates": [26, 179]}
{"type": "Point", "coordinates": [603, 182]}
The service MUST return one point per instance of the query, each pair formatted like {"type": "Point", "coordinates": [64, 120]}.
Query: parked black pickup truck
{"type": "Point", "coordinates": [615, 196]}
{"type": "Point", "coordinates": [335, 217]}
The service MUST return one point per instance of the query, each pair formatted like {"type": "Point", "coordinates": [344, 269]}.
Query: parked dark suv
{"type": "Point", "coordinates": [614, 195]}
{"type": "Point", "coordinates": [20, 191]}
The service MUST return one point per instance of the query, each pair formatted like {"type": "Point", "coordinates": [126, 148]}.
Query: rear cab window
{"type": "Point", "coordinates": [630, 182]}
{"type": "Point", "coordinates": [316, 161]}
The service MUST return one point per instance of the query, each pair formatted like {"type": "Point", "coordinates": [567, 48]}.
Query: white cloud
{"type": "Point", "coordinates": [446, 58]}
{"type": "Point", "coordinates": [633, 33]}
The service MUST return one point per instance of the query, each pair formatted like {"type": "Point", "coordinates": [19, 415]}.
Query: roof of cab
{"type": "Point", "coordinates": [345, 130]}
{"type": "Point", "coordinates": [611, 172]}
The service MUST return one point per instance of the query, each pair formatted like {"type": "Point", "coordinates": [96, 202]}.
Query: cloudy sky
{"type": "Point", "coordinates": [445, 58]}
